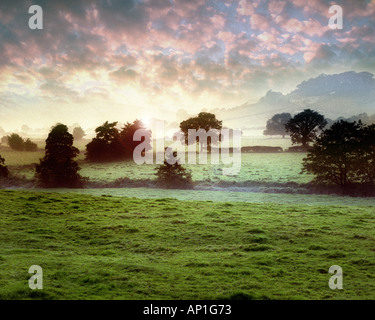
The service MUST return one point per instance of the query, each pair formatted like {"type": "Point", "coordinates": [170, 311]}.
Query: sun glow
{"type": "Point", "coordinates": [146, 121]}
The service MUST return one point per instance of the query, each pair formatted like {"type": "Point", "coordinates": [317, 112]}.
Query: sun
{"type": "Point", "coordinates": [146, 121]}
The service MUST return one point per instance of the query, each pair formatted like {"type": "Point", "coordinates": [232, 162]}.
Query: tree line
{"type": "Point", "coordinates": [343, 154]}
{"type": "Point", "coordinates": [17, 143]}
{"type": "Point", "coordinates": [59, 169]}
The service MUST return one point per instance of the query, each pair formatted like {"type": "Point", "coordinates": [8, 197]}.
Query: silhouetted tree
{"type": "Point", "coordinates": [57, 168]}
{"type": "Point", "coordinates": [276, 125]}
{"type": "Point", "coordinates": [4, 172]}
{"type": "Point", "coordinates": [205, 121]}
{"type": "Point", "coordinates": [111, 145]}
{"type": "Point", "coordinates": [304, 126]}
{"type": "Point", "coordinates": [127, 134]}
{"type": "Point", "coordinates": [28, 145]}
{"type": "Point", "coordinates": [173, 175]}
{"type": "Point", "coordinates": [366, 162]}
{"type": "Point", "coordinates": [16, 142]}
{"type": "Point", "coordinates": [344, 155]}
{"type": "Point", "coordinates": [4, 140]}
{"type": "Point", "coordinates": [78, 133]}
{"type": "Point", "coordinates": [106, 146]}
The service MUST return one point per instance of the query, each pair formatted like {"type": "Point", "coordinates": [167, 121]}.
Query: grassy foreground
{"type": "Point", "coordinates": [125, 248]}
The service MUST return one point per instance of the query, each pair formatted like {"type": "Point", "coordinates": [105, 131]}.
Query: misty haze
{"type": "Point", "coordinates": [107, 109]}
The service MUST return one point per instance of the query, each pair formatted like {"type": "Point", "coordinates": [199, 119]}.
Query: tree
{"type": "Point", "coordinates": [366, 164]}
{"type": "Point", "coordinates": [3, 169]}
{"type": "Point", "coordinates": [343, 155]}
{"type": "Point", "coordinates": [173, 175]}
{"type": "Point", "coordinates": [57, 168]}
{"type": "Point", "coordinates": [206, 121]}
{"type": "Point", "coordinates": [4, 140]}
{"type": "Point", "coordinates": [276, 125]}
{"type": "Point", "coordinates": [304, 127]}
{"type": "Point", "coordinates": [78, 133]}
{"type": "Point", "coordinates": [127, 134]}
{"type": "Point", "coordinates": [111, 145]}
{"type": "Point", "coordinates": [106, 146]}
{"type": "Point", "coordinates": [28, 145]}
{"type": "Point", "coordinates": [15, 142]}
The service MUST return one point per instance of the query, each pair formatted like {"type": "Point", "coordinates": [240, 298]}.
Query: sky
{"type": "Point", "coordinates": [120, 60]}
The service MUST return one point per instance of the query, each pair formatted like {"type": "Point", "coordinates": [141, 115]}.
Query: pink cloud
{"type": "Point", "coordinates": [310, 7]}
{"type": "Point", "coordinates": [218, 21]}
{"type": "Point", "coordinates": [311, 27]}
{"type": "Point", "coordinates": [259, 22]}
{"type": "Point", "coordinates": [276, 7]}
{"type": "Point", "coordinates": [351, 9]}
{"type": "Point", "coordinates": [314, 28]}
{"type": "Point", "coordinates": [358, 9]}
{"type": "Point", "coordinates": [293, 26]}
{"type": "Point", "coordinates": [318, 52]}
{"type": "Point", "coordinates": [246, 8]}
{"type": "Point", "coordinates": [365, 33]}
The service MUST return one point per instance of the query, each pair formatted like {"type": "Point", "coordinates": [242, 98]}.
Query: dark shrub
{"type": "Point", "coordinates": [3, 169]}
{"type": "Point", "coordinates": [16, 142]}
{"type": "Point", "coordinates": [30, 146]}
{"type": "Point", "coordinates": [173, 175]}
{"type": "Point", "coordinates": [57, 168]}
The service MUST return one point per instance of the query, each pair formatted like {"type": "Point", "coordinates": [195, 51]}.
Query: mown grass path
{"type": "Point", "coordinates": [106, 247]}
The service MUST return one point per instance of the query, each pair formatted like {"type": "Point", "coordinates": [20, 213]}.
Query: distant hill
{"type": "Point", "coordinates": [334, 96]}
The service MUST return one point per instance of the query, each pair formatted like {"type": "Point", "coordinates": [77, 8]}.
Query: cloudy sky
{"type": "Point", "coordinates": [122, 59]}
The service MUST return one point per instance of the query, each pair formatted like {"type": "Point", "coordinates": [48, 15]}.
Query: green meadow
{"type": "Point", "coordinates": [257, 167]}
{"type": "Point", "coordinates": [106, 247]}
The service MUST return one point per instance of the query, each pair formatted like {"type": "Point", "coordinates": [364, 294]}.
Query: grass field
{"type": "Point", "coordinates": [267, 168]}
{"type": "Point", "coordinates": [223, 196]}
{"type": "Point", "coordinates": [93, 247]}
